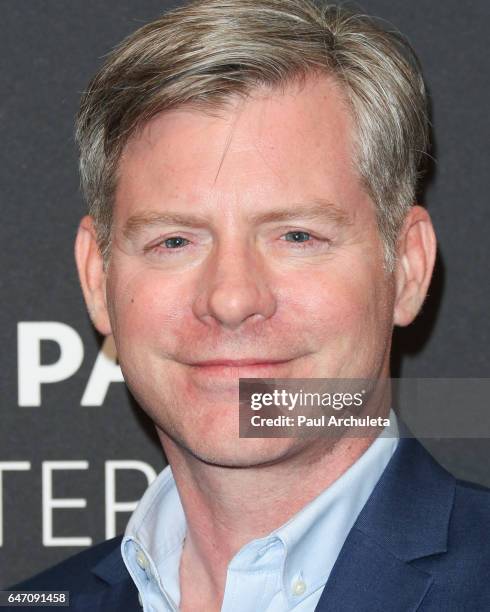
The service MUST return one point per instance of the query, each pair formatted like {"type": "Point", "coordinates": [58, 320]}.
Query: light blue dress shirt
{"type": "Point", "coordinates": [286, 570]}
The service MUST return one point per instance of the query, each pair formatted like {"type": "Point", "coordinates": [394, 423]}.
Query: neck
{"type": "Point", "coordinates": [228, 507]}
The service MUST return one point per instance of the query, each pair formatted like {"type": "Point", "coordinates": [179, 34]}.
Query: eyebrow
{"type": "Point", "coordinates": [140, 221]}
{"type": "Point", "coordinates": [319, 209]}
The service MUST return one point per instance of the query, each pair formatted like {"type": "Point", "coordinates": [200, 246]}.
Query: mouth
{"type": "Point", "coordinates": [241, 368]}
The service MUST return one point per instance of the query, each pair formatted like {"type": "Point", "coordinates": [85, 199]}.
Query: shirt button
{"type": "Point", "coordinates": [141, 559]}
{"type": "Point", "coordinates": [299, 587]}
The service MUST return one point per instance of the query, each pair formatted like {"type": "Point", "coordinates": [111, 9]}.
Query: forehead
{"type": "Point", "coordinates": [286, 143]}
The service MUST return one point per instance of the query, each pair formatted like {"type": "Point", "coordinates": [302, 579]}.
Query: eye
{"type": "Point", "coordinates": [297, 236]}
{"type": "Point", "coordinates": [175, 242]}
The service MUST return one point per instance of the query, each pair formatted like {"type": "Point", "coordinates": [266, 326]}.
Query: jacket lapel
{"type": "Point", "coordinates": [112, 590]}
{"type": "Point", "coordinates": [118, 597]}
{"type": "Point", "coordinates": [405, 519]}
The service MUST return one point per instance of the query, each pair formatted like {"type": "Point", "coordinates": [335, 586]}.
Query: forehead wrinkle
{"type": "Point", "coordinates": [238, 111]}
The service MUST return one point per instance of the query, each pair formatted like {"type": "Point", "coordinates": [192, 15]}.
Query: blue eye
{"type": "Point", "coordinates": [298, 236]}
{"type": "Point", "coordinates": [176, 242]}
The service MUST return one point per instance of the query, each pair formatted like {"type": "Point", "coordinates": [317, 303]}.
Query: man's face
{"type": "Point", "coordinates": [244, 246]}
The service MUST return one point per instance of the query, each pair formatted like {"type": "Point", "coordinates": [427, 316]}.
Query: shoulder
{"type": "Point", "coordinates": [470, 520]}
{"type": "Point", "coordinates": [74, 572]}
{"type": "Point", "coordinates": [470, 493]}
{"type": "Point", "coordinates": [466, 504]}
{"type": "Point", "coordinates": [460, 575]}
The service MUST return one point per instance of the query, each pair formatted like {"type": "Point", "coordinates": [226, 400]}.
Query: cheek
{"type": "Point", "coordinates": [352, 305]}
{"type": "Point", "coordinates": [325, 301]}
{"type": "Point", "coordinates": [142, 306]}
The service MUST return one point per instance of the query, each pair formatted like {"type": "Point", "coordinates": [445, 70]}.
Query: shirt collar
{"type": "Point", "coordinates": [319, 530]}
{"type": "Point", "coordinates": [157, 528]}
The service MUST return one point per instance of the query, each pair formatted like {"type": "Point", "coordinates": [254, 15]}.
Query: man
{"type": "Point", "coordinates": [250, 168]}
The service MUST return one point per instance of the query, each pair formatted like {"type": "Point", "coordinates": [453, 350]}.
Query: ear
{"type": "Point", "coordinates": [415, 263]}
{"type": "Point", "coordinates": [92, 275]}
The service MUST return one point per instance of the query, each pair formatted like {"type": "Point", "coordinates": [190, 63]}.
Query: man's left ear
{"type": "Point", "coordinates": [416, 255]}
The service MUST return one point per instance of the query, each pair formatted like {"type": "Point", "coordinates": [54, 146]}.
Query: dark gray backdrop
{"type": "Point", "coordinates": [49, 50]}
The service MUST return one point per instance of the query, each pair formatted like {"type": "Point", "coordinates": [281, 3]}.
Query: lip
{"type": "Point", "coordinates": [240, 368]}
{"type": "Point", "coordinates": [237, 363]}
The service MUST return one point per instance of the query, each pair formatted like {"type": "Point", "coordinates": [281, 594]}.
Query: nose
{"type": "Point", "coordinates": [234, 290]}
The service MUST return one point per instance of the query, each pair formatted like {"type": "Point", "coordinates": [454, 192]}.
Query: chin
{"type": "Point", "coordinates": [232, 452]}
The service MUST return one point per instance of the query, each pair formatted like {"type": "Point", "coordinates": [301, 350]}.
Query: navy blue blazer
{"type": "Point", "coordinates": [421, 542]}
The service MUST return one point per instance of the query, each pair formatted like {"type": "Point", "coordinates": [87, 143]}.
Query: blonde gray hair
{"type": "Point", "coordinates": [209, 50]}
